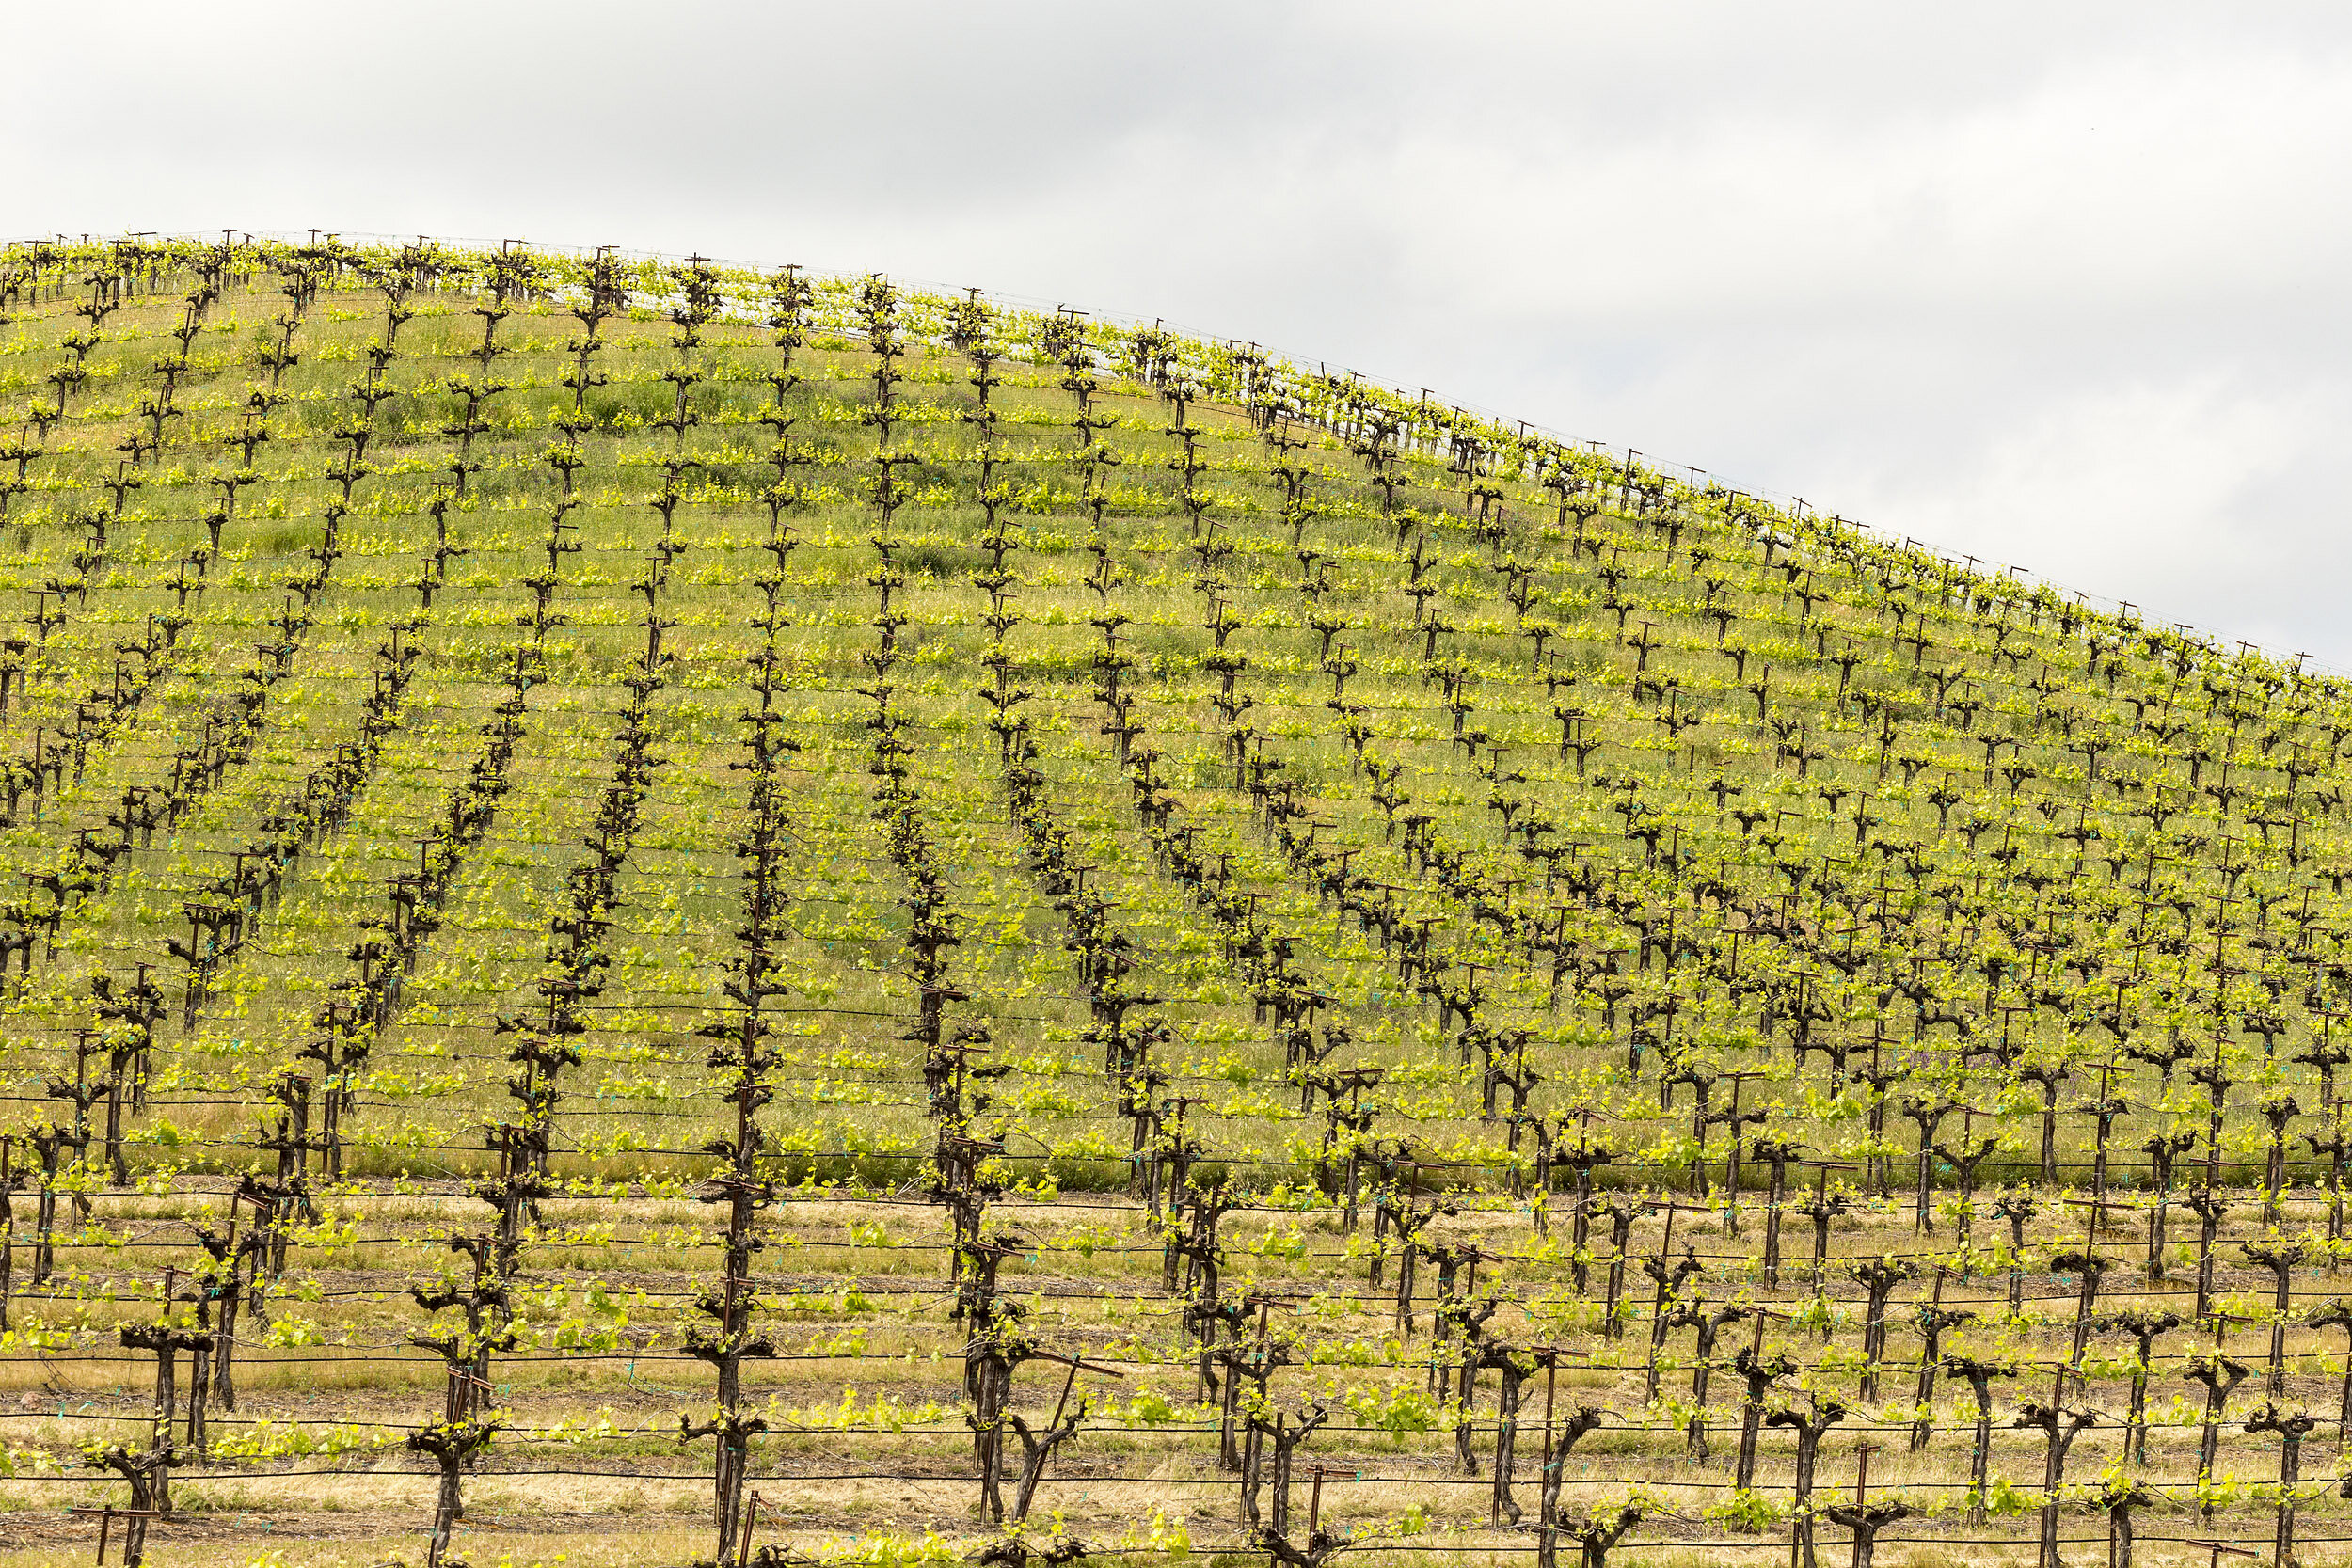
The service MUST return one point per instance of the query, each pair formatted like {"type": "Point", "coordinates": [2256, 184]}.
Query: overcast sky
{"type": "Point", "coordinates": [2062, 286]}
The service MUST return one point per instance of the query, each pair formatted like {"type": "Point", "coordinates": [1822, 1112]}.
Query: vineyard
{"type": "Point", "coordinates": [660, 914]}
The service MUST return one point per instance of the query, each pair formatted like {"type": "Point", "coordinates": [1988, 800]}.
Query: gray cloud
{"type": "Point", "coordinates": [2052, 286]}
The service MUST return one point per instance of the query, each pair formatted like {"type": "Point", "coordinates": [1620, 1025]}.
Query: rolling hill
{"type": "Point", "coordinates": [633, 882]}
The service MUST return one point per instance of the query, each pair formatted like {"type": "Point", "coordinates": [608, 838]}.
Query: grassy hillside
{"type": "Point", "coordinates": [599, 844]}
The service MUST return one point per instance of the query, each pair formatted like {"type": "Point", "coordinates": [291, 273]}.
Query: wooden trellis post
{"type": "Point", "coordinates": [133, 1530]}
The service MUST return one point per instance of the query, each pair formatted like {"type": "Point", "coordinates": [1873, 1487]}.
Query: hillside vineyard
{"type": "Point", "coordinates": [656, 913]}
